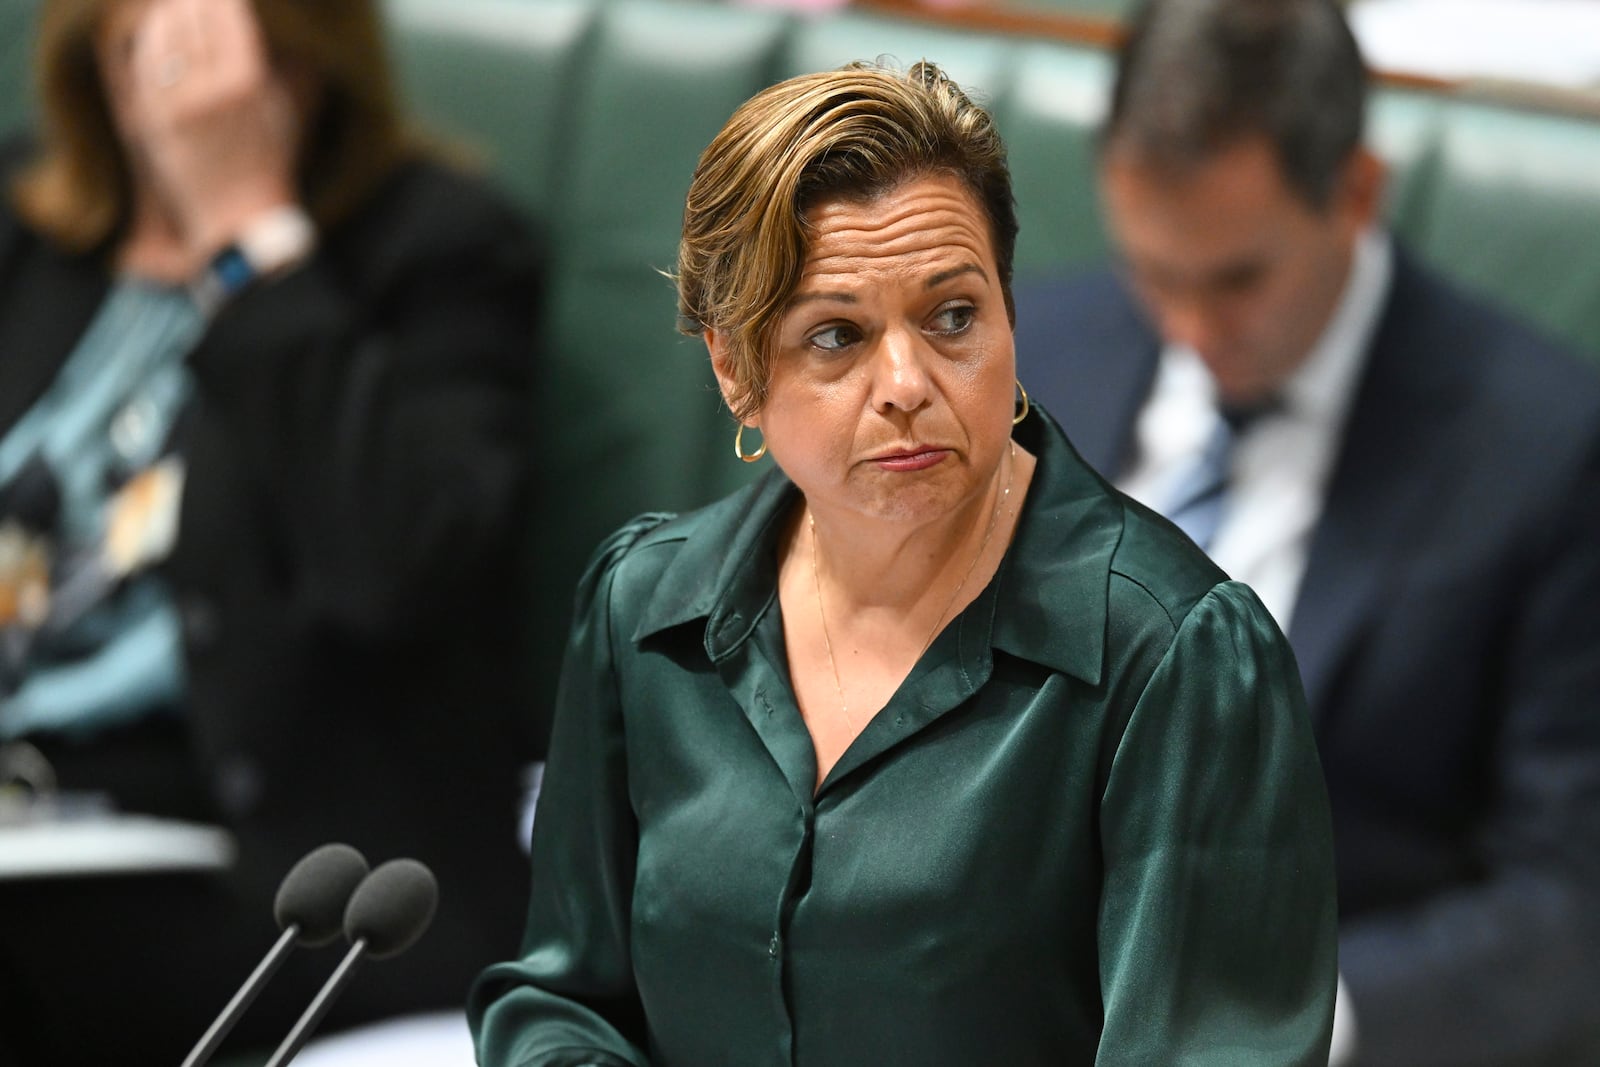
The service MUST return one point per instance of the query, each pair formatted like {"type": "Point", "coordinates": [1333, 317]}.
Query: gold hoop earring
{"type": "Point", "coordinates": [738, 446]}
{"type": "Point", "coordinates": [1025, 405]}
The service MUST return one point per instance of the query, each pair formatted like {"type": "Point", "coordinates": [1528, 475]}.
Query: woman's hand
{"type": "Point", "coordinates": [213, 127]}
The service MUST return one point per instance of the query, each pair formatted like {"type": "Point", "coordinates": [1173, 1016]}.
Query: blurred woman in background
{"type": "Point", "coordinates": [263, 382]}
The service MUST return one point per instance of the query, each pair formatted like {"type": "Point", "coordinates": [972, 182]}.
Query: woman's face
{"type": "Point", "coordinates": [892, 381]}
{"type": "Point", "coordinates": [117, 38]}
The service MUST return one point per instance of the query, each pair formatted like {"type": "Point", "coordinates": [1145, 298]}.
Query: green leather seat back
{"type": "Point", "coordinates": [636, 402]}
{"type": "Point", "coordinates": [494, 81]}
{"type": "Point", "coordinates": [1403, 129]}
{"type": "Point", "coordinates": [973, 59]}
{"type": "Point", "coordinates": [17, 19]}
{"type": "Point", "coordinates": [1046, 98]}
{"type": "Point", "coordinates": [1049, 119]}
{"type": "Point", "coordinates": [1514, 212]}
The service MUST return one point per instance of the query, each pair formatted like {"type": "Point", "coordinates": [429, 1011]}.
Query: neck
{"type": "Point", "coordinates": [154, 246]}
{"type": "Point", "coordinates": [869, 565]}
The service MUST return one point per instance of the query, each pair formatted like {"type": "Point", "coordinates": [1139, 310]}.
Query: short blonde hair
{"type": "Point", "coordinates": [856, 132]}
{"type": "Point", "coordinates": [77, 192]}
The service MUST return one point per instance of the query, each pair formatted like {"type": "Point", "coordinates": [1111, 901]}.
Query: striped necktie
{"type": "Point", "coordinates": [1198, 501]}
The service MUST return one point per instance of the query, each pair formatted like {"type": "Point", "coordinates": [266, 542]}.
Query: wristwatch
{"type": "Point", "coordinates": [271, 244]}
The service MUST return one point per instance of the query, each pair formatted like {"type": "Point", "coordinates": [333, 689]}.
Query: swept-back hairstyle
{"type": "Point", "coordinates": [78, 190]}
{"type": "Point", "coordinates": [1196, 76]}
{"type": "Point", "coordinates": [856, 132]}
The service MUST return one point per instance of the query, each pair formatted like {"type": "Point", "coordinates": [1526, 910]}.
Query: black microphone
{"type": "Point", "coordinates": [309, 909]}
{"type": "Point", "coordinates": [389, 910]}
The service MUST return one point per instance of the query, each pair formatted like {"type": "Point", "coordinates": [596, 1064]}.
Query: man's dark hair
{"type": "Point", "coordinates": [1196, 76]}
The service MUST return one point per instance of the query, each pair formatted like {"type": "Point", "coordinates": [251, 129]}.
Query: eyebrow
{"type": "Point", "coordinates": [954, 272]}
{"type": "Point", "coordinates": [933, 282]}
{"type": "Point", "coordinates": [1241, 268]}
{"type": "Point", "coordinates": [812, 297]}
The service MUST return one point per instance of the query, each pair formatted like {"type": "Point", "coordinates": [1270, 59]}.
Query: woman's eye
{"type": "Point", "coordinates": [952, 320]}
{"type": "Point", "coordinates": [833, 338]}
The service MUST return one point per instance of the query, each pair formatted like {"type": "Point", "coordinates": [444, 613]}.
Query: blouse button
{"type": "Point", "coordinates": [772, 948]}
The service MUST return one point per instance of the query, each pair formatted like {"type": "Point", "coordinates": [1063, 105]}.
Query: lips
{"type": "Point", "coordinates": [910, 458]}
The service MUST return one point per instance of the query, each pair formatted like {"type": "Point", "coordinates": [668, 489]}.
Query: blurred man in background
{"type": "Point", "coordinates": [1410, 481]}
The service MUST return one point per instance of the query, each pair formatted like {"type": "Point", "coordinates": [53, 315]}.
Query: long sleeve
{"type": "Point", "coordinates": [1217, 923]}
{"type": "Point", "coordinates": [1505, 972]}
{"type": "Point", "coordinates": [570, 1001]}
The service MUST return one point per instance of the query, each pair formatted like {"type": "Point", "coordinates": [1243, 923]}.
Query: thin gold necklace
{"type": "Point", "coordinates": [822, 615]}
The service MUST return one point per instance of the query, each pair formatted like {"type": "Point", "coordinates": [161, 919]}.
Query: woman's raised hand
{"type": "Point", "coordinates": [214, 128]}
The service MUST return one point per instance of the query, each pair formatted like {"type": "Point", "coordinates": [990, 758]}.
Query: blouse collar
{"type": "Point", "coordinates": [1046, 603]}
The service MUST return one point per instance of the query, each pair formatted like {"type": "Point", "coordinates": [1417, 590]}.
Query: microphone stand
{"type": "Point", "coordinates": [241, 1000]}
{"type": "Point", "coordinates": [319, 1007]}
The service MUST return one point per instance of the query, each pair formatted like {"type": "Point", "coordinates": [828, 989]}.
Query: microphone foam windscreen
{"type": "Point", "coordinates": [316, 890]}
{"type": "Point", "coordinates": [392, 907]}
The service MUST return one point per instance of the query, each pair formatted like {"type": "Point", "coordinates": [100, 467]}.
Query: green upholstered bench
{"type": "Point", "coordinates": [16, 35]}
{"type": "Point", "coordinates": [591, 114]}
{"type": "Point", "coordinates": [594, 111]}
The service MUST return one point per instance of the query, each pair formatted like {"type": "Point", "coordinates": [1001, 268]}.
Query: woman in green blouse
{"type": "Point", "coordinates": [928, 748]}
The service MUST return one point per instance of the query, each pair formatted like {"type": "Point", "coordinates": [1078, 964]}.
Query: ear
{"type": "Point", "coordinates": [717, 347]}
{"type": "Point", "coordinates": [1361, 189]}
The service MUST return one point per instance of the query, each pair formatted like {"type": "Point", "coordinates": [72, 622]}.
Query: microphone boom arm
{"type": "Point", "coordinates": [242, 999]}
{"type": "Point", "coordinates": [319, 1007]}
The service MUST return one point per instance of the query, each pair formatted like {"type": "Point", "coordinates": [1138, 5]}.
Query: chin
{"type": "Point", "coordinates": [916, 503]}
{"type": "Point", "coordinates": [1239, 388]}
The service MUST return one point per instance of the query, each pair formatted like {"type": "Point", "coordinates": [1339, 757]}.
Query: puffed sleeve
{"type": "Point", "coordinates": [1217, 925]}
{"type": "Point", "coordinates": [570, 1000]}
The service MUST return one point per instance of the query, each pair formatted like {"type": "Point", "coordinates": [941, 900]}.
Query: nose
{"type": "Point", "coordinates": [1193, 322]}
{"type": "Point", "coordinates": [900, 372]}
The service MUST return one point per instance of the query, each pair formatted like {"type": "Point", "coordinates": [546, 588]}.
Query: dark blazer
{"type": "Point", "coordinates": [1448, 633]}
{"type": "Point", "coordinates": [347, 572]}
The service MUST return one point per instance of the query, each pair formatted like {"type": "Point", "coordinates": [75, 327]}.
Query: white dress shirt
{"type": "Point", "coordinates": [1281, 464]}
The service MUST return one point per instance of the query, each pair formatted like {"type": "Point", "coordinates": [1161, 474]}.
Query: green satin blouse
{"type": "Point", "coordinates": [1089, 828]}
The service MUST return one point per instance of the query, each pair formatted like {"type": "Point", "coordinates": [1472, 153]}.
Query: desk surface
{"type": "Point", "coordinates": [110, 844]}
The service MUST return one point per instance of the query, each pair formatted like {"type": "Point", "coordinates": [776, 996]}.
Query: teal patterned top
{"type": "Point", "coordinates": [112, 648]}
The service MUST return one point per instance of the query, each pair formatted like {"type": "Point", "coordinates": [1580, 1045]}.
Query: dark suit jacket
{"type": "Point", "coordinates": [1448, 633]}
{"type": "Point", "coordinates": [347, 574]}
